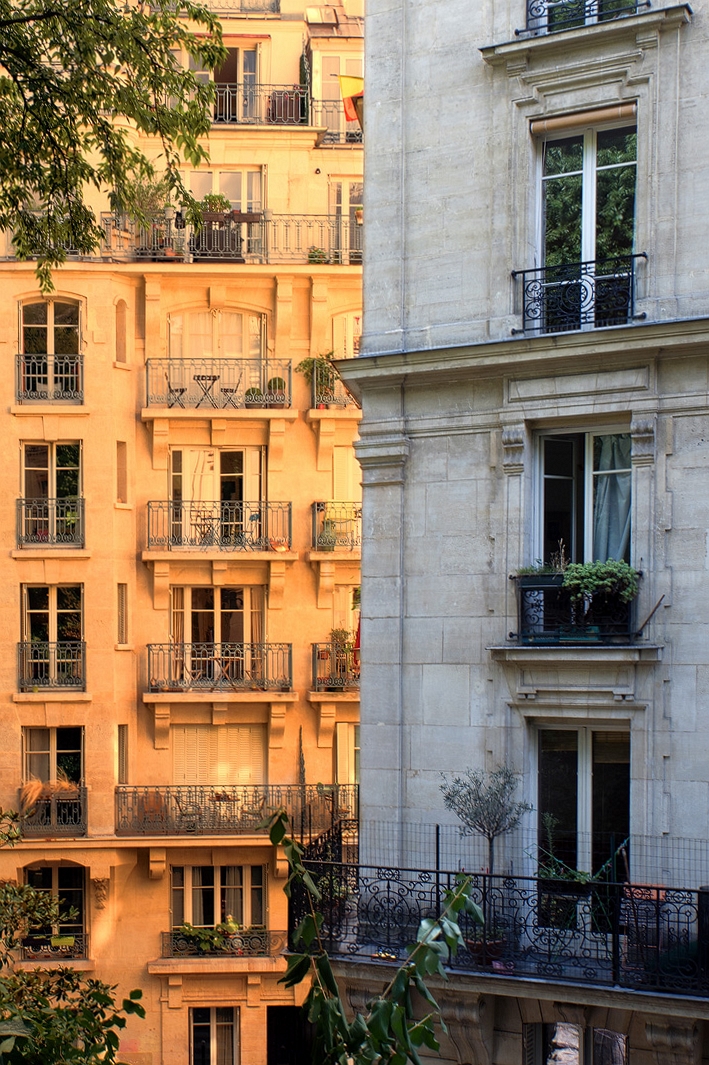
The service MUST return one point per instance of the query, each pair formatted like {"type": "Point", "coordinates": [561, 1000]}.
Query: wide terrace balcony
{"type": "Point", "coordinates": [223, 667]}
{"type": "Point", "coordinates": [218, 384]}
{"type": "Point", "coordinates": [231, 809]}
{"type": "Point", "coordinates": [620, 935]}
{"type": "Point", "coordinates": [336, 668]}
{"type": "Point", "coordinates": [226, 525]}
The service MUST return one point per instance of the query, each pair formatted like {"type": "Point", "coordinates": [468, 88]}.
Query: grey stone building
{"type": "Point", "coordinates": [535, 382]}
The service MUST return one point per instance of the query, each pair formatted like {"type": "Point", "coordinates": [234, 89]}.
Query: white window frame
{"type": "Point", "coordinates": [214, 1057]}
{"type": "Point", "coordinates": [51, 751]}
{"type": "Point", "coordinates": [247, 887]}
{"type": "Point", "coordinates": [615, 429]}
{"type": "Point", "coordinates": [52, 609]}
{"type": "Point", "coordinates": [49, 302]}
{"type": "Point", "coordinates": [63, 927]}
{"type": "Point", "coordinates": [251, 594]}
{"type": "Point", "coordinates": [52, 466]}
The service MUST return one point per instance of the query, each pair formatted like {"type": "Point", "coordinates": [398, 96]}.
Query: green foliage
{"type": "Point", "coordinates": [484, 804]}
{"type": "Point", "coordinates": [319, 364]}
{"type": "Point", "coordinates": [389, 1032]}
{"type": "Point", "coordinates": [57, 1016]}
{"type": "Point", "coordinates": [216, 202]}
{"type": "Point", "coordinates": [80, 82]}
{"type": "Point", "coordinates": [210, 940]}
{"type": "Point", "coordinates": [612, 579]}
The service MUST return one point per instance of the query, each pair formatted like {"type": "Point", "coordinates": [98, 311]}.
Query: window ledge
{"type": "Point", "coordinates": [121, 365]}
{"type": "Point", "coordinates": [150, 414]}
{"type": "Point", "coordinates": [123, 647]}
{"type": "Point", "coordinates": [38, 551]}
{"type": "Point", "coordinates": [550, 44]}
{"type": "Point", "coordinates": [123, 506]}
{"type": "Point", "coordinates": [519, 655]}
{"type": "Point", "coordinates": [173, 966]}
{"type": "Point", "coordinates": [35, 410]}
{"type": "Point", "coordinates": [84, 965]}
{"type": "Point", "coordinates": [52, 696]}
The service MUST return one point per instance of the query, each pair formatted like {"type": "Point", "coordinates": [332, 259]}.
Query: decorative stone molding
{"type": "Point", "coordinates": [276, 583]}
{"type": "Point", "coordinates": [382, 458]}
{"type": "Point", "coordinates": [675, 1044]}
{"type": "Point", "coordinates": [277, 724]}
{"type": "Point", "coordinates": [161, 585]}
{"type": "Point", "coordinates": [174, 992]}
{"type": "Point", "coordinates": [470, 1022]}
{"type": "Point", "coordinates": [157, 863]}
{"type": "Point", "coordinates": [100, 885]}
{"type": "Point", "coordinates": [276, 443]}
{"type": "Point", "coordinates": [642, 433]}
{"type": "Point", "coordinates": [160, 435]}
{"type": "Point", "coordinates": [513, 449]}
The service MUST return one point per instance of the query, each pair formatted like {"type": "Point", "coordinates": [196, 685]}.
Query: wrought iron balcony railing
{"type": "Point", "coordinates": [579, 295]}
{"type": "Point", "coordinates": [547, 614]}
{"type": "Point", "coordinates": [50, 521]}
{"type": "Point", "coordinates": [59, 814]}
{"type": "Point", "coordinates": [315, 239]}
{"type": "Point", "coordinates": [246, 943]}
{"type": "Point", "coordinates": [228, 526]}
{"type": "Point", "coordinates": [65, 946]}
{"type": "Point", "coordinates": [552, 16]}
{"type": "Point", "coordinates": [337, 526]}
{"type": "Point", "coordinates": [335, 668]}
{"type": "Point", "coordinates": [645, 938]}
{"type": "Point", "coordinates": [218, 383]}
{"type": "Point", "coordinates": [56, 665]}
{"type": "Point", "coordinates": [339, 130]}
{"type": "Point", "coordinates": [254, 104]}
{"type": "Point", "coordinates": [49, 379]}
{"type": "Point", "coordinates": [231, 809]}
{"type": "Point", "coordinates": [220, 666]}
{"type": "Point", "coordinates": [329, 390]}
{"type": "Point", "coordinates": [235, 7]}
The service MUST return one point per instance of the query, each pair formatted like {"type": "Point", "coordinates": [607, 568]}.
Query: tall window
{"type": "Point", "coordinates": [51, 509]}
{"type": "Point", "coordinates": [228, 755]}
{"type": "Point", "coordinates": [588, 217]}
{"type": "Point", "coordinates": [67, 884]}
{"type": "Point", "coordinates": [583, 797]}
{"type": "Point", "coordinates": [51, 651]}
{"type": "Point", "coordinates": [549, 1044]}
{"type": "Point", "coordinates": [347, 753]}
{"type": "Point", "coordinates": [217, 615]}
{"type": "Point", "coordinates": [346, 206]}
{"type": "Point", "coordinates": [50, 363]}
{"type": "Point", "coordinates": [236, 85]}
{"type": "Point", "coordinates": [222, 334]}
{"type": "Point", "coordinates": [214, 1035]}
{"type": "Point", "coordinates": [204, 895]}
{"type": "Point", "coordinates": [54, 754]}
{"type": "Point", "coordinates": [586, 484]}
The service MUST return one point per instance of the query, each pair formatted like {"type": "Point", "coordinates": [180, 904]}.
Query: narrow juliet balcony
{"type": "Point", "coordinates": [51, 666]}
{"type": "Point", "coordinates": [50, 522]}
{"type": "Point", "coordinates": [337, 526]}
{"type": "Point", "coordinates": [588, 295]}
{"type": "Point", "coordinates": [56, 813]}
{"type": "Point", "coordinates": [336, 668]}
{"type": "Point", "coordinates": [339, 130]}
{"type": "Point", "coordinates": [553, 16]}
{"type": "Point", "coordinates": [49, 379]}
{"type": "Point", "coordinates": [209, 943]}
{"type": "Point", "coordinates": [218, 384]}
{"type": "Point", "coordinates": [547, 615]}
{"type": "Point", "coordinates": [644, 938]}
{"type": "Point", "coordinates": [225, 525]}
{"type": "Point", "coordinates": [223, 667]}
{"type": "Point", "coordinates": [231, 809]}
{"type": "Point", "coordinates": [64, 946]}
{"type": "Point", "coordinates": [329, 392]}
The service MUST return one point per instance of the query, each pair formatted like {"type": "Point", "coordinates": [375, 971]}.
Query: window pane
{"type": "Point", "coordinates": [561, 503]}
{"type": "Point", "coordinates": [561, 1043]}
{"type": "Point", "coordinates": [611, 496]}
{"type": "Point", "coordinates": [615, 211]}
{"type": "Point", "coordinates": [200, 1038]}
{"type": "Point", "coordinates": [34, 314]}
{"type": "Point", "coordinates": [609, 1048]}
{"type": "Point", "coordinates": [70, 889]}
{"type": "Point", "coordinates": [562, 220]}
{"type": "Point", "coordinates": [611, 797]}
{"type": "Point", "coordinates": [563, 156]}
{"type": "Point", "coordinates": [225, 1036]}
{"type": "Point", "coordinates": [616, 146]}
{"type": "Point", "coordinates": [558, 794]}
{"type": "Point", "coordinates": [232, 893]}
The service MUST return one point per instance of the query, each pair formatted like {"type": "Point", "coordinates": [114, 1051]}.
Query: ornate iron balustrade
{"type": "Point", "coordinates": [646, 938]}
{"type": "Point", "coordinates": [220, 666]}
{"type": "Point", "coordinates": [247, 943]}
{"type": "Point", "coordinates": [579, 295]}
{"type": "Point", "coordinates": [329, 390]}
{"type": "Point", "coordinates": [49, 379]}
{"type": "Point", "coordinates": [66, 946]}
{"type": "Point", "coordinates": [229, 526]}
{"type": "Point", "coordinates": [337, 526]}
{"type": "Point", "coordinates": [57, 665]}
{"type": "Point", "coordinates": [50, 521]}
{"type": "Point", "coordinates": [232, 7]}
{"type": "Point", "coordinates": [552, 16]}
{"type": "Point", "coordinates": [316, 239]}
{"type": "Point", "coordinates": [338, 129]}
{"type": "Point", "coordinates": [547, 614]}
{"type": "Point", "coordinates": [231, 809]}
{"type": "Point", "coordinates": [335, 668]}
{"type": "Point", "coordinates": [218, 383]}
{"type": "Point", "coordinates": [254, 104]}
{"type": "Point", "coordinates": [60, 814]}
{"type": "Point", "coordinates": [235, 237]}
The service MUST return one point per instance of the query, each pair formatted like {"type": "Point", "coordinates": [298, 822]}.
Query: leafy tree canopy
{"type": "Point", "coordinates": [57, 1016]}
{"type": "Point", "coordinates": [81, 83]}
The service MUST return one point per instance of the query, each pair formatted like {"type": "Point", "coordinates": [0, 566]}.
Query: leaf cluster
{"type": "Point", "coordinates": [391, 1030]}
{"type": "Point", "coordinates": [611, 579]}
{"type": "Point", "coordinates": [81, 84]}
{"type": "Point", "coordinates": [484, 802]}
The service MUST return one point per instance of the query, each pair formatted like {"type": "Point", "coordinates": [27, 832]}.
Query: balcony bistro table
{"type": "Point", "coordinates": [206, 382]}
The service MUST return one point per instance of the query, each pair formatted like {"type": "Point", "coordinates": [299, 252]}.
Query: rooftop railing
{"type": "Point", "coordinates": [579, 295]}
{"type": "Point", "coordinates": [41, 522]}
{"type": "Point", "coordinates": [337, 526]}
{"type": "Point", "coordinates": [51, 665]}
{"type": "Point", "coordinates": [218, 383]}
{"type": "Point", "coordinates": [61, 814]}
{"type": "Point", "coordinates": [640, 937]}
{"type": "Point", "coordinates": [231, 809]}
{"type": "Point", "coordinates": [553, 16]}
{"type": "Point", "coordinates": [220, 667]}
{"type": "Point", "coordinates": [228, 526]}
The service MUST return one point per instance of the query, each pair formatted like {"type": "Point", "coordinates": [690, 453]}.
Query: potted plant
{"type": "Point", "coordinates": [214, 207]}
{"type": "Point", "coordinates": [317, 255]}
{"type": "Point", "coordinates": [276, 389]}
{"type": "Point", "coordinates": [321, 375]}
{"type": "Point", "coordinates": [610, 580]}
{"type": "Point", "coordinates": [253, 397]}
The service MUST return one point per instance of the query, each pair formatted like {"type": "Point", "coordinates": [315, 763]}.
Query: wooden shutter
{"type": "Point", "coordinates": [227, 754]}
{"type": "Point", "coordinates": [122, 608]}
{"type": "Point", "coordinates": [122, 754]}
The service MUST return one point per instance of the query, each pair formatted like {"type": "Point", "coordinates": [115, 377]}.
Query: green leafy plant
{"type": "Point", "coordinates": [210, 940]}
{"type": "Point", "coordinates": [612, 579]}
{"type": "Point", "coordinates": [484, 804]}
{"type": "Point", "coordinates": [551, 867]}
{"type": "Point", "coordinates": [317, 255]}
{"type": "Point", "coordinates": [215, 203]}
{"type": "Point", "coordinates": [389, 1030]}
{"type": "Point", "coordinates": [313, 365]}
{"type": "Point", "coordinates": [253, 397]}
{"type": "Point", "coordinates": [341, 639]}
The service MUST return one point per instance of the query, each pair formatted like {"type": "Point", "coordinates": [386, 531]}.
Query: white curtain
{"type": "Point", "coordinates": [611, 497]}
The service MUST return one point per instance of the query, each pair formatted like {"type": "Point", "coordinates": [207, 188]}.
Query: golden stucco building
{"type": "Point", "coordinates": [181, 528]}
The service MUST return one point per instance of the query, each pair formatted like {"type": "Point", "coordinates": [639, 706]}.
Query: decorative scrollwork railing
{"type": "Point", "coordinates": [61, 814]}
{"type": "Point", "coordinates": [49, 379]}
{"type": "Point", "coordinates": [548, 615]}
{"type": "Point", "coordinates": [226, 525]}
{"type": "Point", "coordinates": [58, 665]}
{"type": "Point", "coordinates": [335, 667]}
{"type": "Point", "coordinates": [220, 666]}
{"type": "Point", "coordinates": [60, 947]}
{"type": "Point", "coordinates": [603, 934]}
{"type": "Point", "coordinates": [579, 295]}
{"type": "Point", "coordinates": [218, 383]}
{"type": "Point", "coordinates": [250, 103]}
{"type": "Point", "coordinates": [247, 943]}
{"type": "Point", "coordinates": [337, 526]}
{"type": "Point", "coordinates": [553, 16]}
{"type": "Point", "coordinates": [50, 521]}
